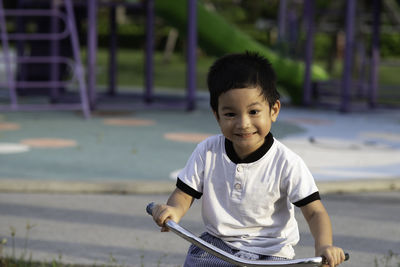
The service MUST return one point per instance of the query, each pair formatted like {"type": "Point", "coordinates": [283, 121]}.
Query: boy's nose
{"type": "Point", "coordinates": [243, 122]}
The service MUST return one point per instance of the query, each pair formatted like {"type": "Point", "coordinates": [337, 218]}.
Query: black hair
{"type": "Point", "coordinates": [234, 71]}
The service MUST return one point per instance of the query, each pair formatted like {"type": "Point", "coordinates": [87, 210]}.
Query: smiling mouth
{"type": "Point", "coordinates": [244, 135]}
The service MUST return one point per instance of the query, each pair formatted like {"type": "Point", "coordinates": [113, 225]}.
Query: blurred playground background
{"type": "Point", "coordinates": [353, 46]}
{"type": "Point", "coordinates": [260, 21]}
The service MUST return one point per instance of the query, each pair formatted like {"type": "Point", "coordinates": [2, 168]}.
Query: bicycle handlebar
{"type": "Point", "coordinates": [188, 236]}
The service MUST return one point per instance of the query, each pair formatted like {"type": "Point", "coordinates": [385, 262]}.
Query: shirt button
{"type": "Point", "coordinates": [239, 168]}
{"type": "Point", "coordinates": [238, 186]}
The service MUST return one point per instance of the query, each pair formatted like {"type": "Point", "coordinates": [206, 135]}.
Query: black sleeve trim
{"type": "Point", "coordinates": [307, 200]}
{"type": "Point", "coordinates": [187, 189]}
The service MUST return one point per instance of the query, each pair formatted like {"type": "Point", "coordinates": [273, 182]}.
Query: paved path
{"type": "Point", "coordinates": [115, 228]}
{"type": "Point", "coordinates": [347, 146]}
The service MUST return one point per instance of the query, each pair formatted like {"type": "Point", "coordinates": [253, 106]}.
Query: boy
{"type": "Point", "coordinates": [247, 179]}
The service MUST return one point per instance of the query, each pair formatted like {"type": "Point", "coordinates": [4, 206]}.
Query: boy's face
{"type": "Point", "coordinates": [245, 118]}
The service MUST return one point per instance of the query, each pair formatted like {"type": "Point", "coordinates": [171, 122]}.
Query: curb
{"type": "Point", "coordinates": [166, 187]}
{"type": "Point", "coordinates": [77, 187]}
{"type": "Point", "coordinates": [363, 185]}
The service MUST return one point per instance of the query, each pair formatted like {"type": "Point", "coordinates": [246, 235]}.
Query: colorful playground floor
{"type": "Point", "coordinates": [152, 145]}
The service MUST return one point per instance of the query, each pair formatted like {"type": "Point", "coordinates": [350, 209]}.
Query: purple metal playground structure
{"type": "Point", "coordinates": [346, 83]}
{"type": "Point", "coordinates": [88, 97]}
{"type": "Point", "coordinates": [76, 65]}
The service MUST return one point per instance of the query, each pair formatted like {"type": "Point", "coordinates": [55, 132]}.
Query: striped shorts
{"type": "Point", "coordinates": [197, 257]}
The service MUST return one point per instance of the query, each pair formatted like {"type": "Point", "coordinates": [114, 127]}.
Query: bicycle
{"type": "Point", "coordinates": [188, 236]}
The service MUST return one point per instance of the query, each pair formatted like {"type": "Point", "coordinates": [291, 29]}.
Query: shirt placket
{"type": "Point", "coordinates": [238, 183]}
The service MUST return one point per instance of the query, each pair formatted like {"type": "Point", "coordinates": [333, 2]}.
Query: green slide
{"type": "Point", "coordinates": [217, 37]}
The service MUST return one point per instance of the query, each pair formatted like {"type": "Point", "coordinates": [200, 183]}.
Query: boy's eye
{"type": "Point", "coordinates": [229, 114]}
{"type": "Point", "coordinates": [254, 112]}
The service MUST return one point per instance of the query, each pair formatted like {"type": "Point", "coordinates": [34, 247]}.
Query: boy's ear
{"type": "Point", "coordinates": [275, 110]}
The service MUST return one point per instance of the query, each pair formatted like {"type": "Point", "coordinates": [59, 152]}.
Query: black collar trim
{"type": "Point", "coordinates": [256, 155]}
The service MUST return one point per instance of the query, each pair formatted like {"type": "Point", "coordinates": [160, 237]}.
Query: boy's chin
{"type": "Point", "coordinates": [248, 145]}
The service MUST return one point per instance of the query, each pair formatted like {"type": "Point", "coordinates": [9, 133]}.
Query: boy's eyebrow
{"type": "Point", "coordinates": [248, 106]}
{"type": "Point", "coordinates": [226, 107]}
{"type": "Point", "coordinates": [254, 104]}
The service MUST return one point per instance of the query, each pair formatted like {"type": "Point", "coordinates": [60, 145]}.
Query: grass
{"type": "Point", "coordinates": [388, 80]}
{"type": "Point", "coordinates": [167, 74]}
{"type": "Point", "coordinates": [171, 74]}
{"type": "Point", "coordinates": [25, 259]}
{"type": "Point", "coordinates": [391, 259]}
{"type": "Point", "coordinates": [10, 262]}
{"type": "Point", "coordinates": [388, 74]}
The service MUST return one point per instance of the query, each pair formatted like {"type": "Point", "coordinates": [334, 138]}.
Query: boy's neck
{"type": "Point", "coordinates": [254, 156]}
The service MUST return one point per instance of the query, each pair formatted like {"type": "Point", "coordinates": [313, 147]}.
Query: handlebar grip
{"type": "Point", "coordinates": [149, 208]}
{"type": "Point", "coordinates": [346, 256]}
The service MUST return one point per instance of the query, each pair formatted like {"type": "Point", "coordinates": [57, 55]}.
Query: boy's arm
{"type": "Point", "coordinates": [177, 205]}
{"type": "Point", "coordinates": [321, 229]}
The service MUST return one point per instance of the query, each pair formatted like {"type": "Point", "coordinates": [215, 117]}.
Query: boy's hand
{"type": "Point", "coordinates": [333, 255]}
{"type": "Point", "coordinates": [163, 213]}
{"type": "Point", "coordinates": [177, 205]}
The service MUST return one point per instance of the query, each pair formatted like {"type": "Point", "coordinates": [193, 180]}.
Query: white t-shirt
{"type": "Point", "coordinates": [249, 205]}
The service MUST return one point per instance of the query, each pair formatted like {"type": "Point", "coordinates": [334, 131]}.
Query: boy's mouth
{"type": "Point", "coordinates": [245, 135]}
